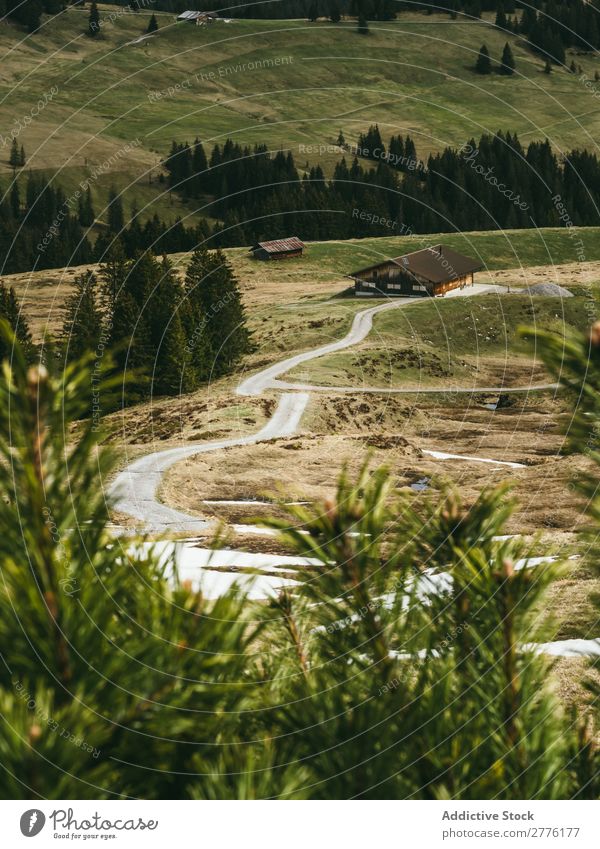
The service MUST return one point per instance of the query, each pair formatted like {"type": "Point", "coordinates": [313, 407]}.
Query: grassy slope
{"type": "Point", "coordinates": [412, 75]}
{"type": "Point", "coordinates": [292, 305]}
{"type": "Point", "coordinates": [447, 342]}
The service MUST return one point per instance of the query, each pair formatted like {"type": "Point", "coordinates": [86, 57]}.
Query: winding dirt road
{"type": "Point", "coordinates": [135, 489]}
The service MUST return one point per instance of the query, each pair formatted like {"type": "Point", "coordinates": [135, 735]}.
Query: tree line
{"type": "Point", "coordinates": [487, 184]}
{"type": "Point", "coordinates": [255, 194]}
{"type": "Point", "coordinates": [166, 336]}
{"type": "Point", "coordinates": [41, 227]}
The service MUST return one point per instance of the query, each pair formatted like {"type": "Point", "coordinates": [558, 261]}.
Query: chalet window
{"type": "Point", "coordinates": [418, 287]}
{"type": "Point", "coordinates": [394, 285]}
{"type": "Point", "coordinates": [368, 284]}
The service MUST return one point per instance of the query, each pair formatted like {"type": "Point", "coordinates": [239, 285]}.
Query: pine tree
{"type": "Point", "coordinates": [11, 312]}
{"type": "Point", "coordinates": [14, 159]}
{"type": "Point", "coordinates": [86, 212]}
{"type": "Point", "coordinates": [218, 312]}
{"type": "Point", "coordinates": [507, 65]}
{"type": "Point", "coordinates": [152, 24]}
{"type": "Point", "coordinates": [82, 322]}
{"type": "Point", "coordinates": [113, 274]}
{"type": "Point", "coordinates": [93, 20]}
{"type": "Point", "coordinates": [22, 157]}
{"type": "Point", "coordinates": [363, 24]}
{"type": "Point", "coordinates": [341, 141]}
{"type": "Point", "coordinates": [66, 716]}
{"type": "Point", "coordinates": [15, 200]}
{"type": "Point", "coordinates": [116, 220]}
{"type": "Point", "coordinates": [548, 67]}
{"type": "Point", "coordinates": [500, 21]}
{"type": "Point", "coordinates": [169, 373]}
{"type": "Point", "coordinates": [484, 63]}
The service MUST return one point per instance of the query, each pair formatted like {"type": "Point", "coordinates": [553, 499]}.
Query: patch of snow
{"type": "Point", "coordinates": [197, 565]}
{"type": "Point", "coordinates": [443, 455]}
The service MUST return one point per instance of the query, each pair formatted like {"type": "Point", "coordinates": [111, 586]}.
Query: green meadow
{"type": "Point", "coordinates": [287, 84]}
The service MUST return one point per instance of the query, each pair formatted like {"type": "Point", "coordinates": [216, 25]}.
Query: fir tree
{"type": "Point", "coordinates": [86, 212]}
{"type": "Point", "coordinates": [14, 159]}
{"type": "Point", "coordinates": [15, 200]}
{"type": "Point", "coordinates": [82, 322]}
{"type": "Point", "coordinates": [22, 157]}
{"type": "Point", "coordinates": [116, 220]}
{"type": "Point", "coordinates": [214, 296]}
{"type": "Point", "coordinates": [341, 141]}
{"type": "Point", "coordinates": [507, 65]}
{"type": "Point", "coordinates": [11, 312]}
{"type": "Point", "coordinates": [113, 274]}
{"type": "Point", "coordinates": [93, 20]}
{"type": "Point", "coordinates": [335, 16]}
{"type": "Point", "coordinates": [167, 338]}
{"type": "Point", "coordinates": [152, 24]}
{"type": "Point", "coordinates": [500, 21]}
{"type": "Point", "coordinates": [484, 63]}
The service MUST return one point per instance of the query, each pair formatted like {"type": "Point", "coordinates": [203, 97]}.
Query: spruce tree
{"type": "Point", "coordinates": [11, 312]}
{"type": "Point", "coordinates": [82, 322]}
{"type": "Point", "coordinates": [86, 212]}
{"type": "Point", "coordinates": [216, 302]}
{"type": "Point", "coordinates": [363, 24]}
{"type": "Point", "coordinates": [507, 65]}
{"type": "Point", "coordinates": [15, 200]}
{"type": "Point", "coordinates": [93, 20]}
{"type": "Point", "coordinates": [548, 67]}
{"type": "Point", "coordinates": [335, 15]}
{"type": "Point", "coordinates": [116, 220]}
{"type": "Point", "coordinates": [22, 157]}
{"type": "Point", "coordinates": [152, 24]}
{"type": "Point", "coordinates": [169, 373]}
{"type": "Point", "coordinates": [113, 274]}
{"type": "Point", "coordinates": [14, 159]}
{"type": "Point", "coordinates": [500, 21]}
{"type": "Point", "coordinates": [484, 63]}
{"type": "Point", "coordinates": [70, 596]}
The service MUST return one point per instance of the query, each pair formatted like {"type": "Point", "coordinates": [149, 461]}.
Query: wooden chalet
{"type": "Point", "coordinates": [195, 17]}
{"type": "Point", "coordinates": [431, 271]}
{"type": "Point", "coordinates": [278, 249]}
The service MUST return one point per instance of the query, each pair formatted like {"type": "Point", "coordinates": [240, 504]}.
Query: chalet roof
{"type": "Point", "coordinates": [191, 15]}
{"type": "Point", "coordinates": [293, 243]}
{"type": "Point", "coordinates": [437, 264]}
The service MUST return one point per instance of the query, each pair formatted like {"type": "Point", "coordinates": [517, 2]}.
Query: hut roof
{"type": "Point", "coordinates": [276, 246]}
{"type": "Point", "coordinates": [438, 264]}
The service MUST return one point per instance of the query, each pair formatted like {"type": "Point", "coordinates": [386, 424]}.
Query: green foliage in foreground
{"type": "Point", "coordinates": [117, 679]}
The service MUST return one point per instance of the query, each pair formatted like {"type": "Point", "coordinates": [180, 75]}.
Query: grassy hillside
{"type": "Point", "coordinates": [451, 343]}
{"type": "Point", "coordinates": [411, 75]}
{"type": "Point", "coordinates": [297, 303]}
